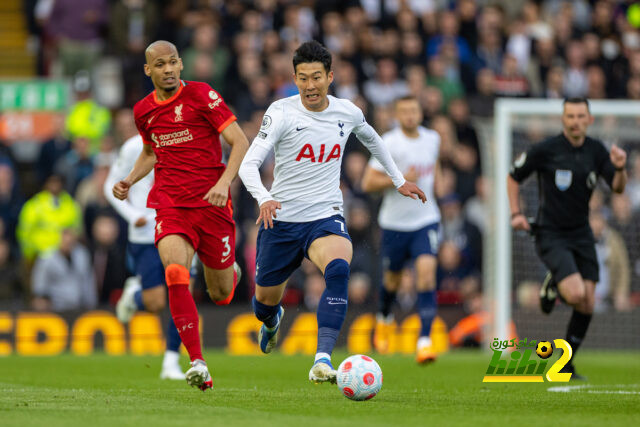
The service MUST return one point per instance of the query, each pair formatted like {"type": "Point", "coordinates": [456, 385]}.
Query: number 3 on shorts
{"type": "Point", "coordinates": [227, 248]}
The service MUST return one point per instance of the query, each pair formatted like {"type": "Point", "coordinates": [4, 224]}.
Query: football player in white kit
{"type": "Point", "coordinates": [301, 216]}
{"type": "Point", "coordinates": [410, 231]}
{"type": "Point", "coordinates": [146, 291]}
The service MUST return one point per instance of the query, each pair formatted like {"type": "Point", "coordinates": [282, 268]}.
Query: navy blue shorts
{"type": "Point", "coordinates": [281, 249]}
{"type": "Point", "coordinates": [398, 247]}
{"type": "Point", "coordinates": [147, 264]}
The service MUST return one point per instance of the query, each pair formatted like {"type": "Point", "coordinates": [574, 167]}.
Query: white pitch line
{"type": "Point", "coordinates": [589, 388]}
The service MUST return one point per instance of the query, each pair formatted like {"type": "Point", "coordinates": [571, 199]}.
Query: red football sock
{"type": "Point", "coordinates": [183, 309]}
{"type": "Point", "coordinates": [228, 299]}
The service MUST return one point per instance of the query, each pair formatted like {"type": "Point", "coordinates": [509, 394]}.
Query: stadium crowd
{"type": "Point", "coordinates": [455, 57]}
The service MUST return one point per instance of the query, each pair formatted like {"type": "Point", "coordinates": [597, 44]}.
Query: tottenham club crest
{"type": "Point", "coordinates": [178, 111]}
{"type": "Point", "coordinates": [563, 179]}
{"type": "Point", "coordinates": [341, 125]}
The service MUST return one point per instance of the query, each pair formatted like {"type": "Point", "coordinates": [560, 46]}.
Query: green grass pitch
{"type": "Point", "coordinates": [273, 390]}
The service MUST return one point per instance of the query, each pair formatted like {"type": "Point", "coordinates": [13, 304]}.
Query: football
{"type": "Point", "coordinates": [359, 377]}
{"type": "Point", "coordinates": [544, 349]}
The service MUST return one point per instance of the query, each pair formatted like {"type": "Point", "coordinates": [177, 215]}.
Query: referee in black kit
{"type": "Point", "coordinates": [568, 166]}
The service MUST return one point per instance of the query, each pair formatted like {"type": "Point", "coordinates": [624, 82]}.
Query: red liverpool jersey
{"type": "Point", "coordinates": [184, 132]}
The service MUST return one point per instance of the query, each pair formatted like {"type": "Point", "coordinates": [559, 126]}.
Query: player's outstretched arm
{"type": "Point", "coordinates": [518, 220]}
{"type": "Point", "coordinates": [370, 138]}
{"type": "Point", "coordinates": [219, 193]}
{"type": "Point", "coordinates": [144, 165]}
{"type": "Point", "coordinates": [250, 176]}
{"type": "Point", "coordinates": [375, 180]}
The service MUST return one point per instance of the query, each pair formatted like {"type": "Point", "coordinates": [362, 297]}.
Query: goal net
{"type": "Point", "coordinates": [512, 272]}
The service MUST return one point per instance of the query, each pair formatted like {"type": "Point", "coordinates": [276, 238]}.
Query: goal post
{"type": "Point", "coordinates": [497, 268]}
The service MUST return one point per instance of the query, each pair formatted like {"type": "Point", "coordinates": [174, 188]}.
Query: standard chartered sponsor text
{"type": "Point", "coordinates": [163, 140]}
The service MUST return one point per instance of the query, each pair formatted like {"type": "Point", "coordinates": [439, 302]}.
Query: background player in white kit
{"type": "Point", "coordinates": [146, 291]}
{"type": "Point", "coordinates": [410, 231]}
{"type": "Point", "coordinates": [308, 133]}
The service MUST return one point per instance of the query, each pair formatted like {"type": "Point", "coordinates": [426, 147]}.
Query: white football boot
{"type": "Point", "coordinates": [171, 367]}
{"type": "Point", "coordinates": [198, 375]}
{"type": "Point", "coordinates": [322, 371]}
{"type": "Point", "coordinates": [126, 306]}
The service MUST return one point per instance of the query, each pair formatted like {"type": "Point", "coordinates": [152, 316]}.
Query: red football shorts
{"type": "Point", "coordinates": [210, 230]}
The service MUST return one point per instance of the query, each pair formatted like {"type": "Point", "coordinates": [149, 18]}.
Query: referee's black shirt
{"type": "Point", "coordinates": [567, 176]}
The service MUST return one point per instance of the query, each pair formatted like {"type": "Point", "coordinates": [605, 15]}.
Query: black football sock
{"type": "Point", "coordinates": [577, 329]}
{"type": "Point", "coordinates": [387, 298]}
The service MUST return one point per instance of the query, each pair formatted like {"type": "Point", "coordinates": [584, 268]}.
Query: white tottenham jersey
{"type": "Point", "coordinates": [135, 206]}
{"type": "Point", "coordinates": [308, 148]}
{"type": "Point", "coordinates": [400, 213]}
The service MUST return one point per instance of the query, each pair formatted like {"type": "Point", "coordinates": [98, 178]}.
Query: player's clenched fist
{"type": "Point", "coordinates": [268, 213]}
{"type": "Point", "coordinates": [121, 190]}
{"type": "Point", "coordinates": [218, 194]}
{"type": "Point", "coordinates": [618, 156]}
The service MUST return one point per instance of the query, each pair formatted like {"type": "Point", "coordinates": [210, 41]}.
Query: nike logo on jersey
{"type": "Point", "coordinates": [151, 119]}
{"type": "Point", "coordinates": [299, 128]}
{"type": "Point", "coordinates": [225, 258]}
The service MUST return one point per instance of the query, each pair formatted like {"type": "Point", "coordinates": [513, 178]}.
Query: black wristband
{"type": "Point", "coordinates": [515, 214]}
{"type": "Point", "coordinates": [620, 169]}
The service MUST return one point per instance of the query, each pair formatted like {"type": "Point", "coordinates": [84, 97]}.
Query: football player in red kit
{"type": "Point", "coordinates": [181, 123]}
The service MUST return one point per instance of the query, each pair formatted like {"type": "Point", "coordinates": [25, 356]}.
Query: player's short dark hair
{"type": "Point", "coordinates": [405, 98]}
{"type": "Point", "coordinates": [577, 100]}
{"type": "Point", "coordinates": [312, 51]}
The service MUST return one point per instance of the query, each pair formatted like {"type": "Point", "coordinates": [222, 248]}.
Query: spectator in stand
{"type": "Point", "coordinates": [511, 82]}
{"type": "Point", "coordinates": [205, 47]}
{"type": "Point", "coordinates": [386, 86]}
{"type": "Point", "coordinates": [43, 218]}
{"type": "Point", "coordinates": [411, 49]}
{"type": "Point", "coordinates": [448, 83]}
{"type": "Point", "coordinates": [541, 62]}
{"type": "Point", "coordinates": [258, 99]}
{"type": "Point", "coordinates": [76, 165]}
{"type": "Point", "coordinates": [633, 185]}
{"type": "Point", "coordinates": [77, 28]}
{"type": "Point", "coordinates": [432, 102]}
{"type": "Point", "coordinates": [466, 134]}
{"type": "Point", "coordinates": [359, 291]}
{"type": "Point", "coordinates": [481, 103]}
{"type": "Point", "coordinates": [124, 127]}
{"type": "Point", "coordinates": [597, 83]}
{"type": "Point", "coordinates": [613, 261]}
{"type": "Point", "coordinates": [576, 82]}
{"type": "Point", "coordinates": [460, 232]}
{"type": "Point", "coordinates": [63, 279]}
{"type": "Point", "coordinates": [11, 201]}
{"type": "Point", "coordinates": [108, 255]}
{"type": "Point", "coordinates": [346, 81]}
{"type": "Point", "coordinates": [449, 28]}
{"type": "Point", "coordinates": [554, 87]}
{"type": "Point", "coordinates": [10, 281]}
{"type": "Point", "coordinates": [52, 150]}
{"type": "Point", "coordinates": [132, 25]}
{"type": "Point", "coordinates": [87, 119]}
{"type": "Point", "coordinates": [627, 223]}
{"type": "Point", "coordinates": [489, 50]}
